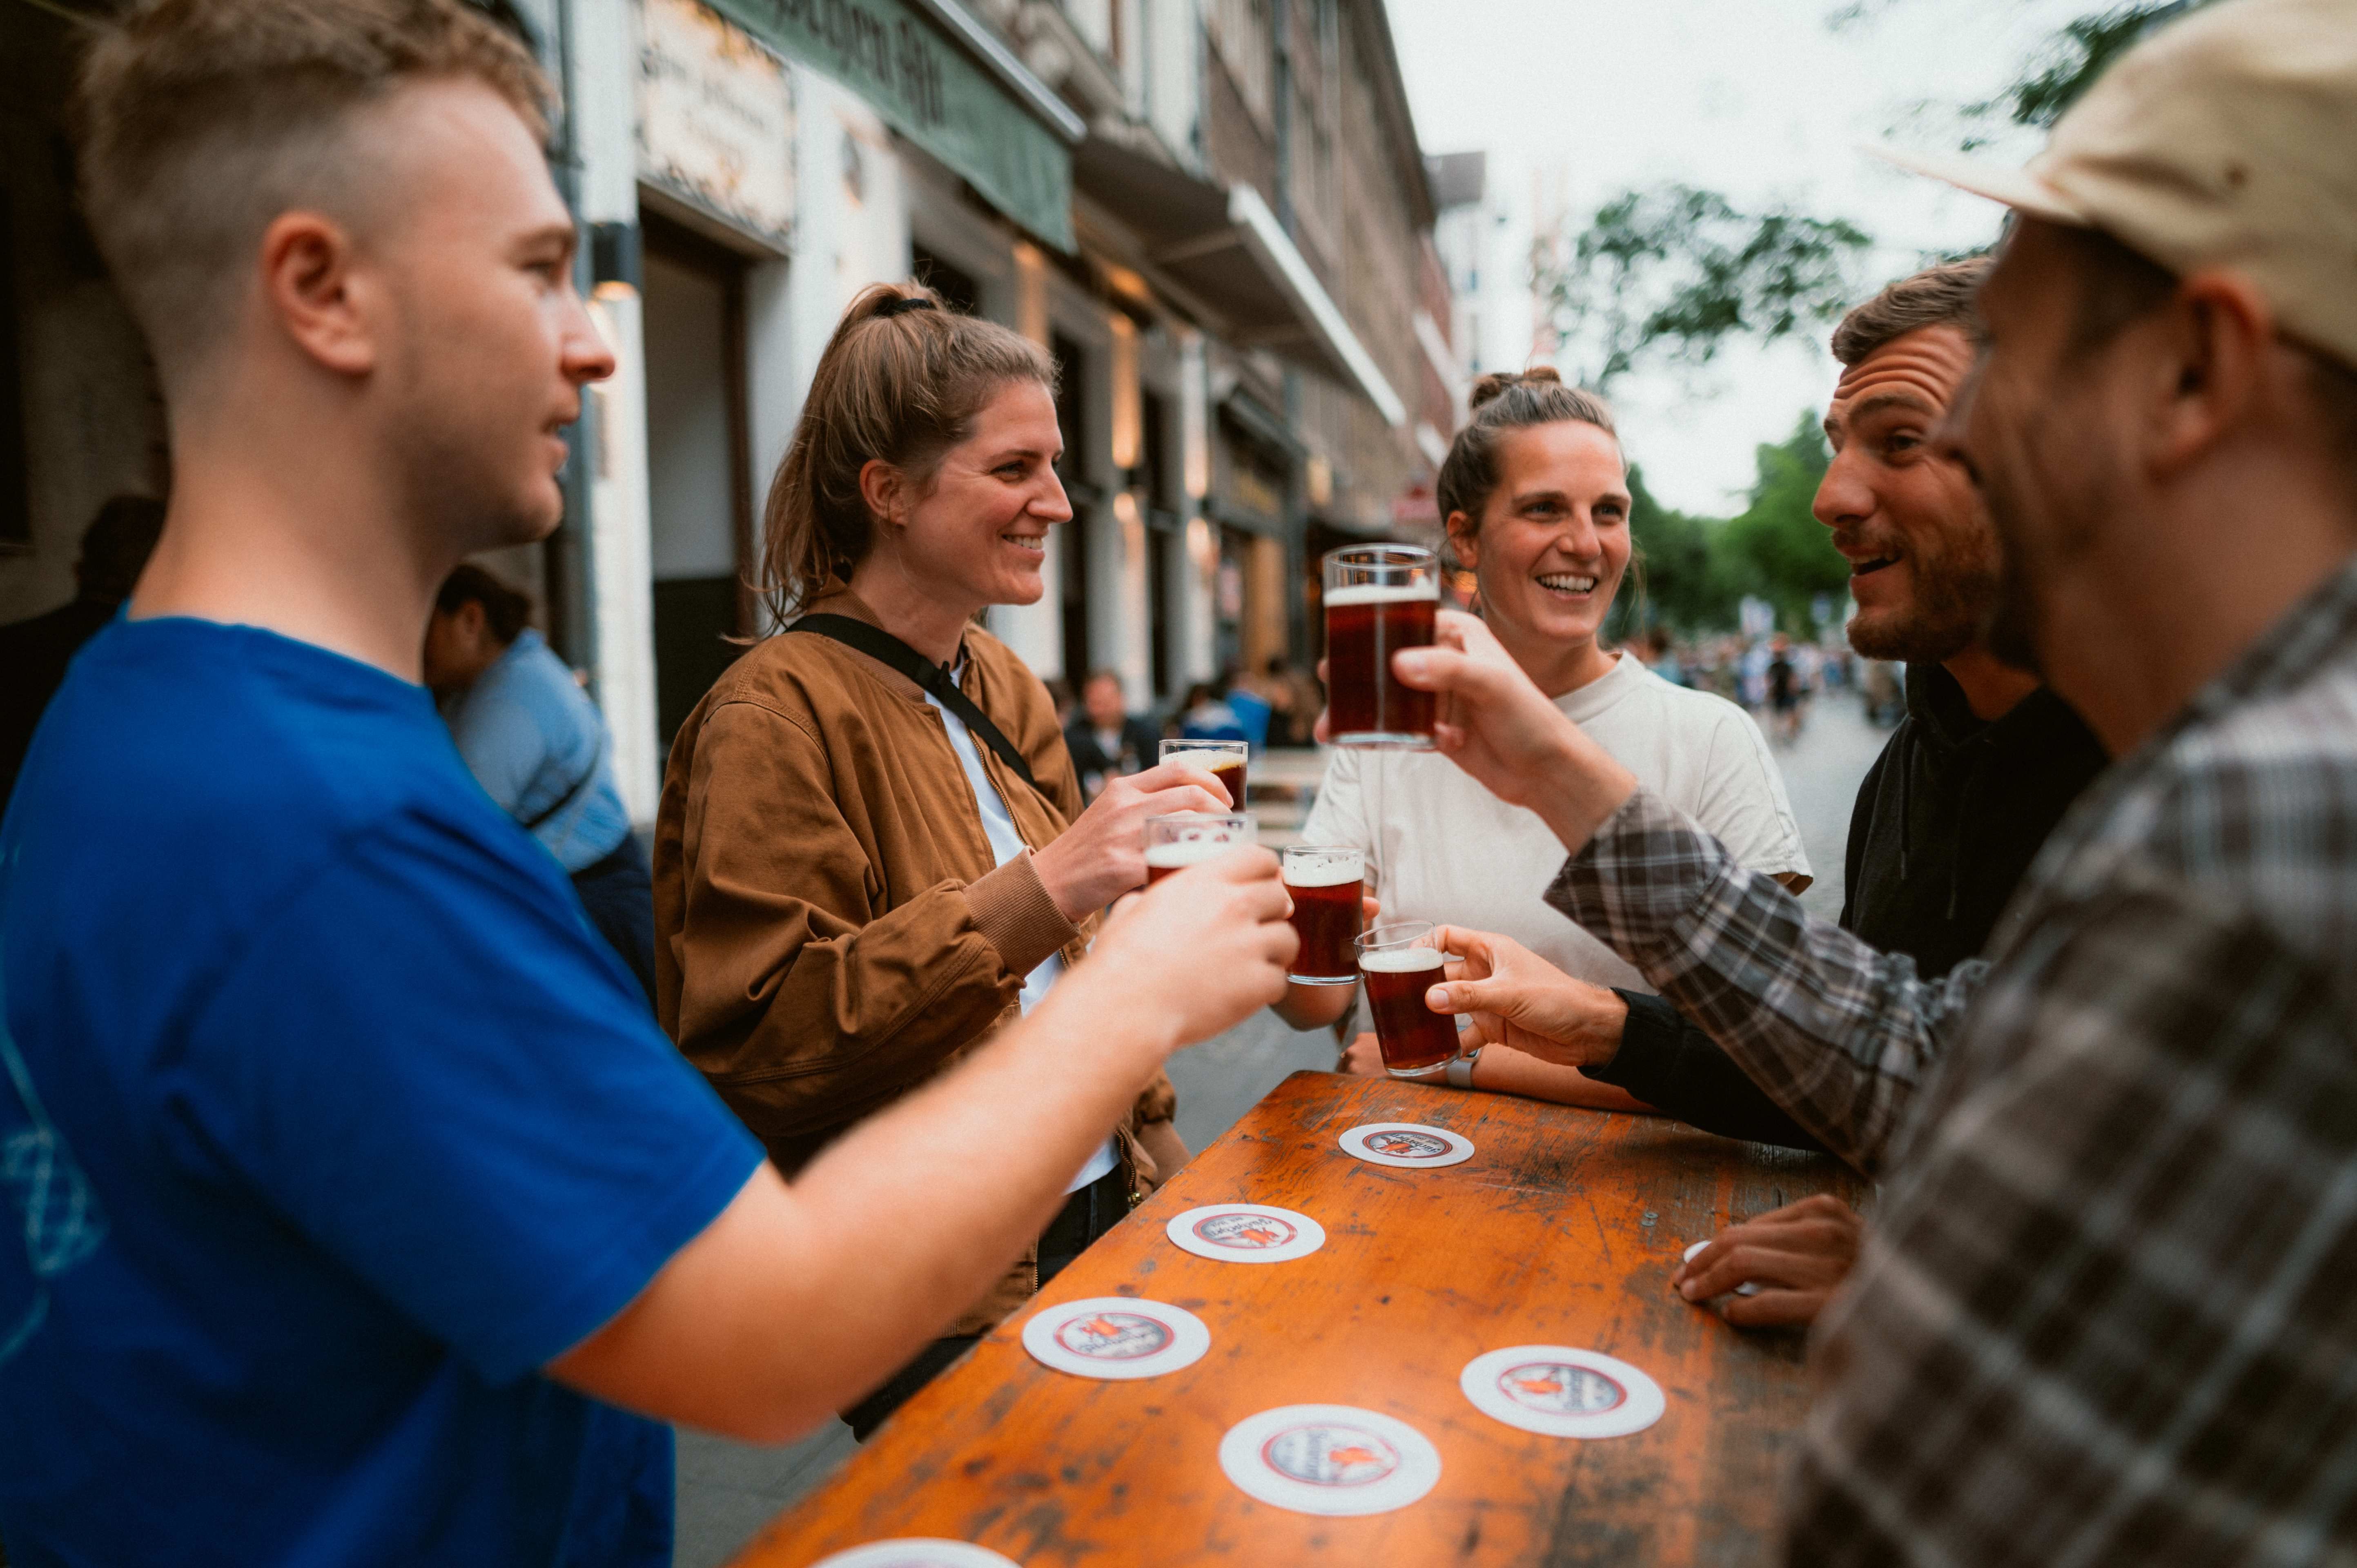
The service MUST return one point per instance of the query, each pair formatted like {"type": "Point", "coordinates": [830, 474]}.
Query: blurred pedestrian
{"type": "Point", "coordinates": [540, 750]}
{"type": "Point", "coordinates": [35, 652]}
{"type": "Point", "coordinates": [1106, 741]}
{"type": "Point", "coordinates": [1203, 715]}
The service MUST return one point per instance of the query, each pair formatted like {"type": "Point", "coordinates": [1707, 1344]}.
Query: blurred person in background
{"type": "Point", "coordinates": [872, 853]}
{"type": "Point", "coordinates": [1535, 493]}
{"type": "Point", "coordinates": [34, 654]}
{"type": "Point", "coordinates": [1204, 715]}
{"type": "Point", "coordinates": [1105, 740]}
{"type": "Point", "coordinates": [539, 748]}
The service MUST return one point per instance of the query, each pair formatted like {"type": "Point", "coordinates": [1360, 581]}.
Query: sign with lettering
{"type": "Point", "coordinates": [716, 118]}
{"type": "Point", "coordinates": [932, 91]}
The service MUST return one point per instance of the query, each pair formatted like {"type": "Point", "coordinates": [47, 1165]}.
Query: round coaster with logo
{"type": "Point", "coordinates": [1747, 1288]}
{"type": "Point", "coordinates": [1407, 1145]}
{"type": "Point", "coordinates": [918, 1551]}
{"type": "Point", "coordinates": [1329, 1459]}
{"type": "Point", "coordinates": [1247, 1233]}
{"type": "Point", "coordinates": [1561, 1392]}
{"type": "Point", "coordinates": [1117, 1336]}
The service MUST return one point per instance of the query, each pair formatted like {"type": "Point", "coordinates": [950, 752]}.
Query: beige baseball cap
{"type": "Point", "coordinates": [2226, 139]}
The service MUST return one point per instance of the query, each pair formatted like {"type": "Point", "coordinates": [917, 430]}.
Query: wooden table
{"type": "Point", "coordinates": [1562, 1228]}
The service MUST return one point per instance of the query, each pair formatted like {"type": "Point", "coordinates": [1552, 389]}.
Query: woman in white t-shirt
{"type": "Point", "coordinates": [1535, 492]}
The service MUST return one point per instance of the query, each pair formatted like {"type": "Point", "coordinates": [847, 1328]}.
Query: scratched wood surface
{"type": "Point", "coordinates": [1562, 1228]}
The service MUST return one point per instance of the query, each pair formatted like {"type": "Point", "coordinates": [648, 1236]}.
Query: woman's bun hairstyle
{"type": "Point", "coordinates": [1500, 402]}
{"type": "Point", "coordinates": [899, 383]}
{"type": "Point", "coordinates": [1494, 385]}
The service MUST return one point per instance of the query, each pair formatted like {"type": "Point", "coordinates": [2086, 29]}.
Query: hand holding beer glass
{"type": "Point", "coordinates": [1400, 963]}
{"type": "Point", "coordinates": [1174, 843]}
{"type": "Point", "coordinates": [1223, 759]}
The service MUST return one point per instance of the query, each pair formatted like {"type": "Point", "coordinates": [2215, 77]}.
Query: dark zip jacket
{"type": "Point", "coordinates": [1947, 821]}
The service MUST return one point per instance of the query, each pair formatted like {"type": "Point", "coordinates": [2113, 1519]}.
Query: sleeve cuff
{"type": "Point", "coordinates": [1012, 909]}
{"type": "Point", "coordinates": [1648, 1044]}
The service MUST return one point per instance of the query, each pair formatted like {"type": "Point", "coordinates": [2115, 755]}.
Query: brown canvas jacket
{"type": "Point", "coordinates": [832, 927]}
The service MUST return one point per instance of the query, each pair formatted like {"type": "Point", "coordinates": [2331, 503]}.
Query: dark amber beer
{"type": "Point", "coordinates": [1175, 842]}
{"type": "Point", "coordinates": [1380, 598]}
{"type": "Point", "coordinates": [1328, 887]}
{"type": "Point", "coordinates": [1224, 759]}
{"type": "Point", "coordinates": [1416, 1042]}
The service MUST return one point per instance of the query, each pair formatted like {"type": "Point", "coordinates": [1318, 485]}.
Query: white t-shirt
{"type": "Point", "coordinates": [1007, 843]}
{"type": "Point", "coordinates": [1442, 848]}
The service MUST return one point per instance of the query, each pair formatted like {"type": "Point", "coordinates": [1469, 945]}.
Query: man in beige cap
{"type": "Point", "coordinates": [2108, 1310]}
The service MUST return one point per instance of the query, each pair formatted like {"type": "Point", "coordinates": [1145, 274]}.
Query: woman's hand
{"type": "Point", "coordinates": [1202, 949]}
{"type": "Point", "coordinates": [1502, 730]}
{"type": "Point", "coordinates": [1797, 1256]}
{"type": "Point", "coordinates": [1518, 998]}
{"type": "Point", "coordinates": [1103, 854]}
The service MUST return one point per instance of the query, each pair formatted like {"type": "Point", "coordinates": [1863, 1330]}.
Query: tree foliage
{"type": "Point", "coordinates": [1676, 271]}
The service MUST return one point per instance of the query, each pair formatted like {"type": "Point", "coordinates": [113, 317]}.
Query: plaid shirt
{"type": "Point", "coordinates": [2108, 1310]}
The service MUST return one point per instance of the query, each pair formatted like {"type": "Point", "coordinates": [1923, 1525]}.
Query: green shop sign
{"type": "Point", "coordinates": [932, 91]}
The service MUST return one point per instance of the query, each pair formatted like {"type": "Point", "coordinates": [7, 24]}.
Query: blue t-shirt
{"type": "Point", "coordinates": [537, 744]}
{"type": "Point", "coordinates": [329, 1121]}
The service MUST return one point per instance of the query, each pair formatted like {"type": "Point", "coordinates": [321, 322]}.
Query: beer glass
{"type": "Point", "coordinates": [1400, 964]}
{"type": "Point", "coordinates": [1379, 598]}
{"type": "Point", "coordinates": [1328, 886]}
{"type": "Point", "coordinates": [1176, 843]}
{"type": "Point", "coordinates": [1224, 758]}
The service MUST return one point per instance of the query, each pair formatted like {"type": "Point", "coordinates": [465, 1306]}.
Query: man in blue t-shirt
{"type": "Point", "coordinates": [365, 1217]}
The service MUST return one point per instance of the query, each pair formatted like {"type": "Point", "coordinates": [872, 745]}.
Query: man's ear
{"type": "Point", "coordinates": [885, 490]}
{"type": "Point", "coordinates": [470, 619]}
{"type": "Point", "coordinates": [307, 287]}
{"type": "Point", "coordinates": [2211, 370]}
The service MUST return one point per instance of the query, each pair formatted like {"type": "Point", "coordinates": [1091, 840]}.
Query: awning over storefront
{"type": "Point", "coordinates": [940, 79]}
{"type": "Point", "coordinates": [1226, 250]}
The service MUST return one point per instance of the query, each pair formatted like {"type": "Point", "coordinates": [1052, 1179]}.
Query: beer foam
{"type": "Point", "coordinates": [1327, 874]}
{"type": "Point", "coordinates": [1381, 594]}
{"type": "Point", "coordinates": [1188, 852]}
{"type": "Point", "coordinates": [1402, 961]}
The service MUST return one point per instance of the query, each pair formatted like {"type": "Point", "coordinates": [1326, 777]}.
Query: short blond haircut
{"type": "Point", "coordinates": [198, 121]}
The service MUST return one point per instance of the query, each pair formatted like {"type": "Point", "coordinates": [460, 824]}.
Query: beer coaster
{"type": "Point", "coordinates": [1247, 1233]}
{"type": "Point", "coordinates": [1329, 1459]}
{"type": "Point", "coordinates": [918, 1551]}
{"type": "Point", "coordinates": [1408, 1144]}
{"type": "Point", "coordinates": [1561, 1392]}
{"type": "Point", "coordinates": [1117, 1336]}
{"type": "Point", "coordinates": [1745, 1288]}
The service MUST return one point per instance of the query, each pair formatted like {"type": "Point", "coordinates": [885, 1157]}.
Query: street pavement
{"type": "Point", "coordinates": [728, 1490]}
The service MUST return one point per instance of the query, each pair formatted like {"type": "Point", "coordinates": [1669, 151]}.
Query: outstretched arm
{"type": "Point", "coordinates": [799, 1299]}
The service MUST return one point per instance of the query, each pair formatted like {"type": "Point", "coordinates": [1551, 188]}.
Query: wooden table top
{"type": "Point", "coordinates": [1562, 1228]}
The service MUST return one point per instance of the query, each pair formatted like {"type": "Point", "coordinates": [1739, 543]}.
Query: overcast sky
{"type": "Point", "coordinates": [1760, 99]}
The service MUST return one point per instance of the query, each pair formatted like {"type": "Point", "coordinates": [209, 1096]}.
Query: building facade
{"type": "Point", "coordinates": [1213, 213]}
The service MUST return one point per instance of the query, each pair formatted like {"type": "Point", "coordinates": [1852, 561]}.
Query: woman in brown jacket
{"type": "Point", "coordinates": [854, 884]}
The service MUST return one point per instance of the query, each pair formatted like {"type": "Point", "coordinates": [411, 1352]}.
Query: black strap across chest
{"type": "Point", "coordinates": [937, 680]}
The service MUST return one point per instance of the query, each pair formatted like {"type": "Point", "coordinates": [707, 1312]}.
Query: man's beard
{"type": "Point", "coordinates": [1951, 601]}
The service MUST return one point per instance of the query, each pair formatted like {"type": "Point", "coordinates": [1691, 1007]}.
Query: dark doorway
{"type": "Point", "coordinates": [957, 288]}
{"type": "Point", "coordinates": [699, 484]}
{"type": "Point", "coordinates": [1072, 554]}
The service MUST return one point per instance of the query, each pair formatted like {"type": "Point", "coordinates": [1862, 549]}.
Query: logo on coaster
{"type": "Point", "coordinates": [1327, 1455]}
{"type": "Point", "coordinates": [1557, 1388]}
{"type": "Point", "coordinates": [1245, 1232]}
{"type": "Point", "coordinates": [1408, 1146]}
{"type": "Point", "coordinates": [1113, 1335]}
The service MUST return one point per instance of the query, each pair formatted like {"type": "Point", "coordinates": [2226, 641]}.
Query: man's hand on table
{"type": "Point", "coordinates": [1798, 1256]}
